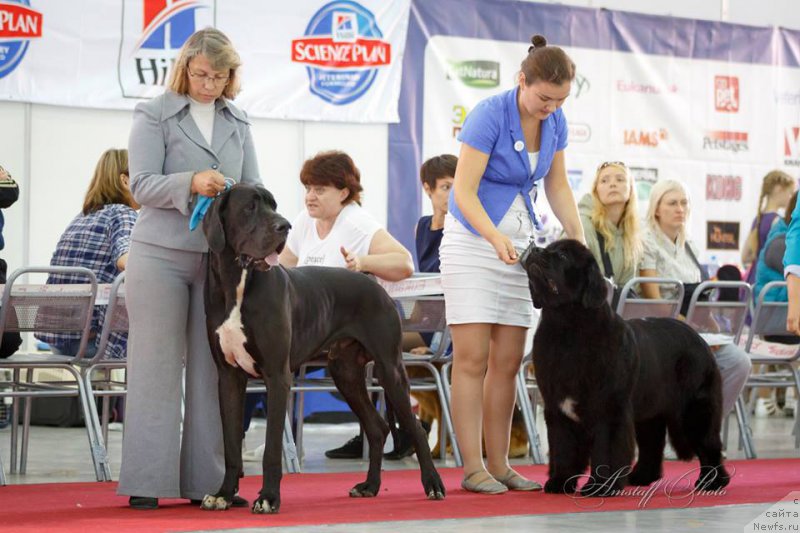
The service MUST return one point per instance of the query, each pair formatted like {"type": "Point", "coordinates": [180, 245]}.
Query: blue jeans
{"type": "Point", "coordinates": [72, 347]}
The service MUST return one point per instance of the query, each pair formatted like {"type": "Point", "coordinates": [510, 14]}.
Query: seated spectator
{"type": "Point", "coordinates": [611, 222]}
{"type": "Point", "coordinates": [436, 175]}
{"type": "Point", "coordinates": [9, 193]}
{"type": "Point", "coordinates": [770, 260]}
{"type": "Point", "coordinates": [98, 239]}
{"type": "Point", "coordinates": [776, 189]}
{"type": "Point", "coordinates": [669, 253]}
{"type": "Point", "coordinates": [335, 231]}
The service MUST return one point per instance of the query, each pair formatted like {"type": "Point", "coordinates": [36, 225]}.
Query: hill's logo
{"type": "Point", "coordinates": [343, 49]}
{"type": "Point", "coordinates": [18, 25]}
{"type": "Point", "coordinates": [479, 74]}
{"type": "Point", "coordinates": [152, 33]}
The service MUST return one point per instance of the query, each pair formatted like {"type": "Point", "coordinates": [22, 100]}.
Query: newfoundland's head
{"type": "Point", "coordinates": [564, 273]}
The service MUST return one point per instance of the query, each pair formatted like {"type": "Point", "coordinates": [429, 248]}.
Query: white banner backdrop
{"type": "Point", "coordinates": [303, 60]}
{"type": "Point", "coordinates": [710, 124]}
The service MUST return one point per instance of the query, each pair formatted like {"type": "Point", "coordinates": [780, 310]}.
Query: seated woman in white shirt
{"type": "Point", "coordinates": [335, 231]}
{"type": "Point", "coordinates": [669, 253]}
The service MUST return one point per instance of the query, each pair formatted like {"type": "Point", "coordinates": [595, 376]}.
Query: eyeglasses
{"type": "Point", "coordinates": [611, 164]}
{"type": "Point", "coordinates": [216, 81]}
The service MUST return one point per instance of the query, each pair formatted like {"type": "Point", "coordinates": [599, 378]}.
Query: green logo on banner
{"type": "Point", "coordinates": [478, 74]}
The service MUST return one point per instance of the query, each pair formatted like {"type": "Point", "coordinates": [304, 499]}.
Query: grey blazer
{"type": "Point", "coordinates": [165, 149]}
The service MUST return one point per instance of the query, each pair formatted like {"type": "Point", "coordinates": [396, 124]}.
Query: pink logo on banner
{"type": "Point", "coordinates": [791, 146]}
{"type": "Point", "coordinates": [726, 94]}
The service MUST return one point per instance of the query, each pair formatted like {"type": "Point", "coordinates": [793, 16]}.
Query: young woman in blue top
{"type": "Point", "coordinates": [510, 142]}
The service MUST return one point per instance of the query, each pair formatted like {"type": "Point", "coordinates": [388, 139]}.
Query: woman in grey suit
{"type": "Point", "coordinates": [183, 145]}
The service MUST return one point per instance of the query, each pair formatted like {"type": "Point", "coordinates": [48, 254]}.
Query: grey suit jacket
{"type": "Point", "coordinates": [165, 149]}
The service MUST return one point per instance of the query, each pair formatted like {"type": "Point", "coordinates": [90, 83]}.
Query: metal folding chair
{"type": "Point", "coordinates": [726, 318]}
{"type": "Point", "coordinates": [629, 307]}
{"type": "Point", "coordinates": [769, 318]}
{"type": "Point", "coordinates": [54, 309]}
{"type": "Point", "coordinates": [426, 314]}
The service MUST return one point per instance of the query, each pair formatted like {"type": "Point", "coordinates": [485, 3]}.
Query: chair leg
{"type": "Point", "coordinates": [447, 418]}
{"type": "Point", "coordinates": [527, 415]}
{"type": "Point", "coordinates": [26, 429]}
{"type": "Point", "coordinates": [97, 447]}
{"type": "Point", "coordinates": [2, 473]}
{"type": "Point", "coordinates": [14, 425]}
{"type": "Point", "coordinates": [726, 430]}
{"type": "Point", "coordinates": [745, 433]}
{"type": "Point", "coordinates": [290, 458]}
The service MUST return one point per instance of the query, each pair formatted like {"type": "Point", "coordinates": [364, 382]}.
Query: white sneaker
{"type": "Point", "coordinates": [766, 407]}
{"type": "Point", "coordinates": [254, 456]}
{"type": "Point", "coordinates": [115, 426]}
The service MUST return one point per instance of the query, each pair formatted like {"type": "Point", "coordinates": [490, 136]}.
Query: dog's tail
{"type": "Point", "coordinates": [392, 420]}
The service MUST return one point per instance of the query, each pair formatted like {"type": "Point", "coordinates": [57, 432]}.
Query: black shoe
{"type": "Point", "coordinates": [143, 503]}
{"type": "Point", "coordinates": [405, 445]}
{"type": "Point", "coordinates": [238, 501]}
{"type": "Point", "coordinates": [352, 449]}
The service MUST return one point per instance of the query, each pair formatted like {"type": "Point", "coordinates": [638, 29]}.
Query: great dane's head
{"type": "Point", "coordinates": [564, 273]}
{"type": "Point", "coordinates": [244, 220]}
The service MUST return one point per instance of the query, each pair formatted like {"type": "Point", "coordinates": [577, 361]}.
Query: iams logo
{"type": "Point", "coordinates": [650, 138]}
{"type": "Point", "coordinates": [726, 94]}
{"type": "Point", "coordinates": [791, 146]}
{"type": "Point", "coordinates": [153, 32]}
{"type": "Point", "coordinates": [730, 141]}
{"type": "Point", "coordinates": [18, 25]}
{"type": "Point", "coordinates": [343, 48]}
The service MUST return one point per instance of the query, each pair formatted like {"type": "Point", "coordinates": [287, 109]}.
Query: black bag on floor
{"type": "Point", "coordinates": [59, 412]}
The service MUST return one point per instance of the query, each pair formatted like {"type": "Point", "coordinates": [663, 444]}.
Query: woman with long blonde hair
{"type": "Point", "coordinates": [611, 222]}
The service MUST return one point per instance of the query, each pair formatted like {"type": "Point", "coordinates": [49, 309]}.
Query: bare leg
{"type": "Point", "coordinates": [499, 394]}
{"type": "Point", "coordinates": [470, 359]}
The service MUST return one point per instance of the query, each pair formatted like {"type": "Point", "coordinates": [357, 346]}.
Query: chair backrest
{"type": "Point", "coordinates": [45, 308]}
{"type": "Point", "coordinates": [712, 315]}
{"type": "Point", "coordinates": [769, 317]}
{"type": "Point", "coordinates": [609, 291]}
{"type": "Point", "coordinates": [635, 307]}
{"type": "Point", "coordinates": [425, 314]}
{"type": "Point", "coordinates": [116, 317]}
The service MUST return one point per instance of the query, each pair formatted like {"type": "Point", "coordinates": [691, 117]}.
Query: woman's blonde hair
{"type": "Point", "coordinates": [656, 194]}
{"type": "Point", "coordinates": [107, 186]}
{"type": "Point", "coordinates": [216, 46]}
{"type": "Point", "coordinates": [773, 180]}
{"type": "Point", "coordinates": [632, 249]}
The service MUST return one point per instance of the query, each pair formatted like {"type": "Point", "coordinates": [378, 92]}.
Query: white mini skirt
{"type": "Point", "coordinates": [478, 287]}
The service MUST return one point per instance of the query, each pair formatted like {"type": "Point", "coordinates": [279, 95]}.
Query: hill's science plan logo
{"type": "Point", "coordinates": [152, 33]}
{"type": "Point", "coordinates": [343, 49]}
{"type": "Point", "coordinates": [18, 25]}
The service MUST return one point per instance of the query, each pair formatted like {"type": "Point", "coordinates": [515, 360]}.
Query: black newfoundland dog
{"type": "Point", "coordinates": [606, 381]}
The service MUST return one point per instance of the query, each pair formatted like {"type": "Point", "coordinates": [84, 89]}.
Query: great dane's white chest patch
{"type": "Point", "coordinates": [231, 333]}
{"type": "Point", "coordinates": [567, 407]}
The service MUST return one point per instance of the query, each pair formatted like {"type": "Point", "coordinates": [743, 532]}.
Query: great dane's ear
{"type": "Point", "coordinates": [594, 291]}
{"type": "Point", "coordinates": [213, 223]}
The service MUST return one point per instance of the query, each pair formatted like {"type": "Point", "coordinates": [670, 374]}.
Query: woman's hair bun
{"type": "Point", "coordinates": [538, 41]}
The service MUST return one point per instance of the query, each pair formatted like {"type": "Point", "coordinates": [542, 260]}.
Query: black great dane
{"type": "Point", "coordinates": [264, 319]}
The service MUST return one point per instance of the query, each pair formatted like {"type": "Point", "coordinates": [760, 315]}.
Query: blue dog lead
{"type": "Point", "coordinates": [203, 203]}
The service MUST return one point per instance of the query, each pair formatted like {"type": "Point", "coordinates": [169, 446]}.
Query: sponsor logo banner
{"type": "Point", "coordinates": [630, 86]}
{"type": "Point", "coordinates": [644, 177]}
{"type": "Point", "coordinates": [153, 32]}
{"type": "Point", "coordinates": [19, 23]}
{"type": "Point", "coordinates": [791, 146]}
{"type": "Point", "coordinates": [729, 141]}
{"type": "Point", "coordinates": [726, 94]}
{"type": "Point", "coordinates": [579, 132]}
{"type": "Point", "coordinates": [723, 187]}
{"type": "Point", "coordinates": [722, 235]}
{"type": "Point", "coordinates": [648, 138]}
{"type": "Point", "coordinates": [479, 74]}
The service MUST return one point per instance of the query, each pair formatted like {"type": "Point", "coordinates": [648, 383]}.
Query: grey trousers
{"type": "Point", "coordinates": [164, 297]}
{"type": "Point", "coordinates": [734, 367]}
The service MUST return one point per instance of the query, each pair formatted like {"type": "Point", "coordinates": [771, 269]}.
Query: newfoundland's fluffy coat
{"type": "Point", "coordinates": [607, 381]}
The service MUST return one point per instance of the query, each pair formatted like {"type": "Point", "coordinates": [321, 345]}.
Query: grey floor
{"type": "Point", "coordinates": [61, 455]}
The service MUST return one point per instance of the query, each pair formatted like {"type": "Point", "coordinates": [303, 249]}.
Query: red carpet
{"type": "Point", "coordinates": [322, 499]}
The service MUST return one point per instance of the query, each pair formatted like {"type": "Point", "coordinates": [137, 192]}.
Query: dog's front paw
{"type": "Point", "coordinates": [365, 490]}
{"type": "Point", "coordinates": [434, 488]}
{"type": "Point", "coordinates": [712, 479]}
{"type": "Point", "coordinates": [266, 505]}
{"type": "Point", "coordinates": [215, 503]}
{"type": "Point", "coordinates": [560, 486]}
{"type": "Point", "coordinates": [641, 478]}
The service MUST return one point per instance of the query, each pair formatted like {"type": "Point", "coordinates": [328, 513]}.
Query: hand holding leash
{"type": "Point", "coordinates": [208, 183]}
{"type": "Point", "coordinates": [505, 249]}
{"type": "Point", "coordinates": [352, 261]}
